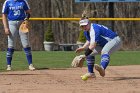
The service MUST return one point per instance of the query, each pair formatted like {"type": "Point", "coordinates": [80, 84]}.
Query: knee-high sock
{"type": "Point", "coordinates": [9, 55]}
{"type": "Point", "coordinates": [90, 63]}
{"type": "Point", "coordinates": [28, 55]}
{"type": "Point", "coordinates": [105, 58]}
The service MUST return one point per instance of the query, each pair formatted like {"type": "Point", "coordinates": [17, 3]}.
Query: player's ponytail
{"type": "Point", "coordinates": [85, 13]}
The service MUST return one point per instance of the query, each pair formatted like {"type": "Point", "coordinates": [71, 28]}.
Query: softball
{"type": "Point", "coordinates": [84, 78]}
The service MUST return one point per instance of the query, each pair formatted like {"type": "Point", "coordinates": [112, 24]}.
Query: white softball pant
{"type": "Point", "coordinates": [109, 48]}
{"type": "Point", "coordinates": [14, 30]}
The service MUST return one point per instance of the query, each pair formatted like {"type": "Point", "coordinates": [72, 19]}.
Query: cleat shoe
{"type": "Point", "coordinates": [88, 75]}
{"type": "Point", "coordinates": [31, 67]}
{"type": "Point", "coordinates": [100, 70]}
{"type": "Point", "coordinates": [8, 67]}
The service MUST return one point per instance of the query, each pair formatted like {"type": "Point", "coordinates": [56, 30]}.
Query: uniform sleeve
{"type": "Point", "coordinates": [92, 36]}
{"type": "Point", "coordinates": [5, 8]}
{"type": "Point", "coordinates": [86, 34]}
{"type": "Point", "coordinates": [26, 6]}
{"type": "Point", "coordinates": [96, 32]}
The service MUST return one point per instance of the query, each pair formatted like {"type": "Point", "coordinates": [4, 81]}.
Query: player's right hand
{"type": "Point", "coordinates": [78, 50]}
{"type": "Point", "coordinates": [7, 31]}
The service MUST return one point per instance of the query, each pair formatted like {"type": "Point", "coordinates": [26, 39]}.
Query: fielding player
{"type": "Point", "coordinates": [14, 12]}
{"type": "Point", "coordinates": [100, 40]}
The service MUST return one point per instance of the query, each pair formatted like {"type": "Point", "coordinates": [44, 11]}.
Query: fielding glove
{"type": "Point", "coordinates": [78, 61]}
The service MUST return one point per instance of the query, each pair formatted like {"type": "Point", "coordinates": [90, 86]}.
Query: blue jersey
{"type": "Point", "coordinates": [15, 9]}
{"type": "Point", "coordinates": [99, 34]}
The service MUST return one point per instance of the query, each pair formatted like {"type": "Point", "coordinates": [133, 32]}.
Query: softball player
{"type": "Point", "coordinates": [14, 12]}
{"type": "Point", "coordinates": [100, 40]}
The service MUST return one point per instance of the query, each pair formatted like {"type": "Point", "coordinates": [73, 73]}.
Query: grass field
{"type": "Point", "coordinates": [62, 59]}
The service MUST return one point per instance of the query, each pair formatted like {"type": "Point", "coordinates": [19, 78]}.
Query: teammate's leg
{"type": "Point", "coordinates": [28, 55]}
{"type": "Point", "coordinates": [9, 55]}
{"type": "Point", "coordinates": [11, 42]}
{"type": "Point", "coordinates": [27, 49]}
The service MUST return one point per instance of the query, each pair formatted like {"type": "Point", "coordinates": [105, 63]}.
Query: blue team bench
{"type": "Point", "coordinates": [68, 47]}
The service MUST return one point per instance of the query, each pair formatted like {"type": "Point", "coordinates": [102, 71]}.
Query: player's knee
{"type": "Point", "coordinates": [26, 46]}
{"type": "Point", "coordinates": [11, 46]}
{"type": "Point", "coordinates": [104, 52]}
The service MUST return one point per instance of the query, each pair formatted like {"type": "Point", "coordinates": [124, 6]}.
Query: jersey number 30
{"type": "Point", "coordinates": [16, 12]}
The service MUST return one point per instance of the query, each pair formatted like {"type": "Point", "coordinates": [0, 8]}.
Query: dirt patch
{"type": "Point", "coordinates": [118, 79]}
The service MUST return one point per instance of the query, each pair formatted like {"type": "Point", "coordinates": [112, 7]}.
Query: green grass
{"type": "Point", "coordinates": [123, 58]}
{"type": "Point", "coordinates": [62, 59]}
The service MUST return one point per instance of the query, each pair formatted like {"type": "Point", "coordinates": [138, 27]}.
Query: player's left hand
{"type": "Point", "coordinates": [24, 27]}
{"type": "Point", "coordinates": [78, 61]}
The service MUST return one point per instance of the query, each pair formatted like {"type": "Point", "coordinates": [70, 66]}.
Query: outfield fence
{"type": "Point", "coordinates": [127, 38]}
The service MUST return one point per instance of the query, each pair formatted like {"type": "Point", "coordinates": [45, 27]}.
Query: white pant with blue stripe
{"type": "Point", "coordinates": [109, 48]}
{"type": "Point", "coordinates": [14, 32]}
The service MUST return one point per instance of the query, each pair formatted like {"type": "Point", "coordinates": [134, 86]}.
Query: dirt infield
{"type": "Point", "coordinates": [118, 79]}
